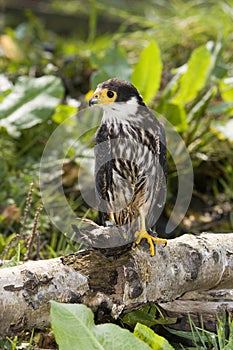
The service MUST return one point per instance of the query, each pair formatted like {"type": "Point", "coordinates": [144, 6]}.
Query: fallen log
{"type": "Point", "coordinates": [111, 281]}
{"type": "Point", "coordinates": [201, 312]}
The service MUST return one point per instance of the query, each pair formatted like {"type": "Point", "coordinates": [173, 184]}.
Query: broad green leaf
{"type": "Point", "coordinates": [114, 64]}
{"type": "Point", "coordinates": [98, 77]}
{"type": "Point", "coordinates": [176, 115]}
{"type": "Point", "coordinates": [146, 316]}
{"type": "Point", "coordinates": [113, 337]}
{"type": "Point", "coordinates": [62, 112]}
{"type": "Point", "coordinates": [5, 87]}
{"type": "Point", "coordinates": [147, 72]}
{"type": "Point", "coordinates": [31, 102]}
{"type": "Point", "coordinates": [194, 79]}
{"type": "Point", "coordinates": [226, 89]}
{"type": "Point", "coordinates": [74, 328]}
{"type": "Point", "coordinates": [154, 340]}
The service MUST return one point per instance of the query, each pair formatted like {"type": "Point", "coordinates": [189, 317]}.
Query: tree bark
{"type": "Point", "coordinates": [111, 281]}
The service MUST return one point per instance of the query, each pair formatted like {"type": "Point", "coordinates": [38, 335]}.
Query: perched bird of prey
{"type": "Point", "coordinates": [130, 160]}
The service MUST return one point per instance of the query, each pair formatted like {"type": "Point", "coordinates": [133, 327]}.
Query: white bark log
{"type": "Point", "coordinates": [115, 280]}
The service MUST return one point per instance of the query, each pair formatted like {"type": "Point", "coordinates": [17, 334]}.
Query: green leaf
{"type": "Point", "coordinates": [98, 77]}
{"type": "Point", "coordinates": [176, 115]}
{"type": "Point", "coordinates": [62, 112]}
{"type": "Point", "coordinates": [113, 64]}
{"type": "Point", "coordinates": [147, 72]}
{"type": "Point", "coordinates": [147, 316]}
{"type": "Point", "coordinates": [74, 328]}
{"type": "Point", "coordinates": [116, 64]}
{"type": "Point", "coordinates": [31, 102]}
{"type": "Point", "coordinates": [194, 79]}
{"type": "Point", "coordinates": [154, 340]}
{"type": "Point", "coordinates": [226, 89]}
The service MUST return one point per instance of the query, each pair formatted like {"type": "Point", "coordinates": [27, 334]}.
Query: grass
{"type": "Point", "coordinates": [202, 339]}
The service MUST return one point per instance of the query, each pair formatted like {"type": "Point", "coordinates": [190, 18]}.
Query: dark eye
{"type": "Point", "coordinates": [110, 94]}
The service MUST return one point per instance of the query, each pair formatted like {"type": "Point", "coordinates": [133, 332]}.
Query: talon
{"type": "Point", "coordinates": [150, 239]}
{"type": "Point", "coordinates": [159, 240]}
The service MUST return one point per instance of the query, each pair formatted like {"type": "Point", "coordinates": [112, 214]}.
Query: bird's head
{"type": "Point", "coordinates": [116, 90]}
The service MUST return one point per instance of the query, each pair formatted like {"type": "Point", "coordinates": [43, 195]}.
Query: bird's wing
{"type": "Point", "coordinates": [158, 185]}
{"type": "Point", "coordinates": [103, 176]}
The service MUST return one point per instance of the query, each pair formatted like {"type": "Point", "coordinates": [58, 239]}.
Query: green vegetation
{"type": "Point", "coordinates": [177, 53]}
{"type": "Point", "coordinates": [74, 324]}
{"type": "Point", "coordinates": [205, 340]}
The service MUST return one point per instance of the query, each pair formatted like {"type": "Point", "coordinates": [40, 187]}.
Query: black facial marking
{"type": "Point", "coordinates": [125, 91]}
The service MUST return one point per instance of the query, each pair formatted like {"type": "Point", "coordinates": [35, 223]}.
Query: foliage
{"type": "Point", "coordinates": [108, 68]}
{"type": "Point", "coordinates": [206, 340]}
{"type": "Point", "coordinates": [73, 326]}
{"type": "Point", "coordinates": [177, 53]}
{"type": "Point", "coordinates": [148, 315]}
{"type": "Point", "coordinates": [147, 72]}
{"type": "Point", "coordinates": [30, 102]}
{"type": "Point", "coordinates": [154, 340]}
{"type": "Point", "coordinates": [26, 121]}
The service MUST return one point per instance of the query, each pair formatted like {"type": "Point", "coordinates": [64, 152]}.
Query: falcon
{"type": "Point", "coordinates": [130, 161]}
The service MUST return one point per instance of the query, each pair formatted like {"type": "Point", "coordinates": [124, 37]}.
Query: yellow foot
{"type": "Point", "coordinates": [150, 239]}
{"type": "Point", "coordinates": [111, 217]}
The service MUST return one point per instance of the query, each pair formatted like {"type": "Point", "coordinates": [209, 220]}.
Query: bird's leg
{"type": "Point", "coordinates": [111, 222]}
{"type": "Point", "coordinates": [150, 239]}
{"type": "Point", "coordinates": [111, 217]}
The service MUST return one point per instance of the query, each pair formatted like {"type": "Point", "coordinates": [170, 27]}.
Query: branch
{"type": "Point", "coordinates": [113, 280]}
